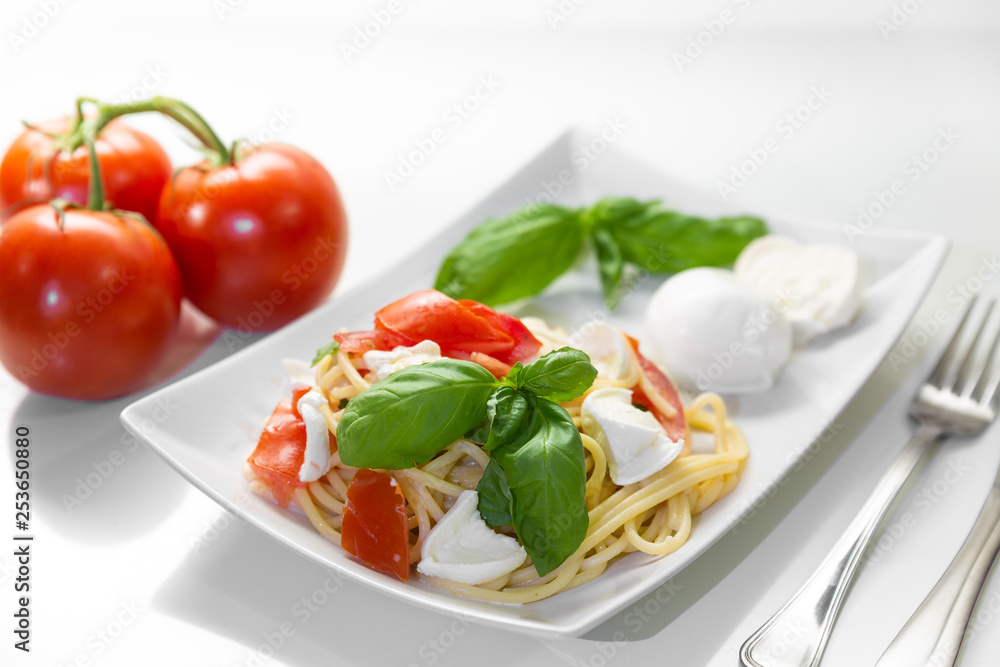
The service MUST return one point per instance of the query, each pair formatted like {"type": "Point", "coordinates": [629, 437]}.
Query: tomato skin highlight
{"type": "Point", "coordinates": [258, 242]}
{"type": "Point", "coordinates": [375, 527]}
{"type": "Point", "coordinates": [459, 327]}
{"type": "Point", "coordinates": [86, 311]}
{"type": "Point", "coordinates": [134, 169]}
{"type": "Point", "coordinates": [281, 448]}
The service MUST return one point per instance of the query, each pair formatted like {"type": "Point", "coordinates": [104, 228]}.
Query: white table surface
{"type": "Point", "coordinates": [148, 571]}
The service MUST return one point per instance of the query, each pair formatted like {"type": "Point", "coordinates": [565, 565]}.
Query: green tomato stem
{"type": "Point", "coordinates": [182, 113]}
{"type": "Point", "coordinates": [95, 196]}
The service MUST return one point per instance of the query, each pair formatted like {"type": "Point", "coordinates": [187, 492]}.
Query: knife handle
{"type": "Point", "coordinates": [935, 633]}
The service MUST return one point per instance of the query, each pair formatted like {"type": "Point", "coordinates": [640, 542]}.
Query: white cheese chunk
{"type": "Point", "coordinates": [462, 548]}
{"type": "Point", "coordinates": [606, 349]}
{"type": "Point", "coordinates": [382, 364]}
{"type": "Point", "coordinates": [317, 455]}
{"type": "Point", "coordinates": [633, 441]}
{"type": "Point", "coordinates": [300, 373]}
{"type": "Point", "coordinates": [817, 286]}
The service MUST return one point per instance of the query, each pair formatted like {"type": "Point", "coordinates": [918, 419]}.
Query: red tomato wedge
{"type": "Point", "coordinates": [359, 342]}
{"type": "Point", "coordinates": [676, 426]}
{"type": "Point", "coordinates": [375, 528]}
{"type": "Point", "coordinates": [459, 327]}
{"type": "Point", "coordinates": [525, 343]}
{"type": "Point", "coordinates": [493, 365]}
{"type": "Point", "coordinates": [281, 449]}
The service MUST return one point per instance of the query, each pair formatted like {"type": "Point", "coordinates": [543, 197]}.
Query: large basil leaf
{"type": "Point", "coordinates": [561, 375]}
{"type": "Point", "coordinates": [407, 418]}
{"type": "Point", "coordinates": [544, 468]}
{"type": "Point", "coordinates": [668, 241]}
{"type": "Point", "coordinates": [510, 258]}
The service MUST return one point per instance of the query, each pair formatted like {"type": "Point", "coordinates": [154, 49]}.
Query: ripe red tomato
{"type": "Point", "coordinates": [375, 527]}
{"type": "Point", "coordinates": [88, 308]}
{"type": "Point", "coordinates": [461, 328]}
{"type": "Point", "coordinates": [133, 166]}
{"type": "Point", "coordinates": [258, 242]}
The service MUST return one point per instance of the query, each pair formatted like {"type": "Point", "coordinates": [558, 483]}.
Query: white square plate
{"type": "Point", "coordinates": [219, 412]}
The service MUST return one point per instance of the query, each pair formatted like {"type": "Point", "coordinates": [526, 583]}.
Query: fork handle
{"type": "Point", "coordinates": [935, 632]}
{"type": "Point", "coordinates": [797, 635]}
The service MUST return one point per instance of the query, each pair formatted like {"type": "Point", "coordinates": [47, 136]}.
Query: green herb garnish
{"type": "Point", "coordinates": [511, 258]}
{"type": "Point", "coordinates": [330, 348]}
{"type": "Point", "coordinates": [535, 480]}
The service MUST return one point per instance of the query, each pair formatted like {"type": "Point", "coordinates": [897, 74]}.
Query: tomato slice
{"type": "Point", "coordinates": [492, 364]}
{"type": "Point", "coordinates": [459, 327]}
{"type": "Point", "coordinates": [525, 344]}
{"type": "Point", "coordinates": [278, 457]}
{"type": "Point", "coordinates": [676, 426]}
{"type": "Point", "coordinates": [375, 528]}
{"type": "Point", "coordinates": [359, 342]}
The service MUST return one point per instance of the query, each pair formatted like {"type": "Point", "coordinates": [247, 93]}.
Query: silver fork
{"type": "Point", "coordinates": [955, 400]}
{"type": "Point", "coordinates": [935, 634]}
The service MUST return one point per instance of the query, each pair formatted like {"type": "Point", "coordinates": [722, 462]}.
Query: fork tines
{"type": "Point", "coordinates": [968, 370]}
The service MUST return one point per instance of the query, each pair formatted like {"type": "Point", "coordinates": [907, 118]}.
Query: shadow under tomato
{"type": "Point", "coordinates": [90, 479]}
{"type": "Point", "coordinates": [93, 480]}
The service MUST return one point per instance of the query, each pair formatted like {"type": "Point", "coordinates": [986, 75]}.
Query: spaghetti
{"type": "Point", "coordinates": [652, 516]}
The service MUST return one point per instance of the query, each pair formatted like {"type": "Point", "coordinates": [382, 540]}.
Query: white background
{"type": "Point", "coordinates": [147, 571]}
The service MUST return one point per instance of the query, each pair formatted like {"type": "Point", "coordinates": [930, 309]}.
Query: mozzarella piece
{"type": "Point", "coordinates": [382, 364]}
{"type": "Point", "coordinates": [817, 286]}
{"type": "Point", "coordinates": [713, 331]}
{"type": "Point", "coordinates": [606, 349]}
{"type": "Point", "coordinates": [635, 444]}
{"type": "Point", "coordinates": [317, 459]}
{"type": "Point", "coordinates": [551, 338]}
{"type": "Point", "coordinates": [461, 547]}
{"type": "Point", "coordinates": [300, 373]}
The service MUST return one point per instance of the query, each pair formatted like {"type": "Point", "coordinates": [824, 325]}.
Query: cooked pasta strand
{"type": "Point", "coordinates": [654, 516]}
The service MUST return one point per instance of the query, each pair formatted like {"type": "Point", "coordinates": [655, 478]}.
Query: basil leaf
{"type": "Point", "coordinates": [507, 412]}
{"type": "Point", "coordinates": [330, 348]}
{"type": "Point", "coordinates": [511, 258]}
{"type": "Point", "coordinates": [544, 468]}
{"type": "Point", "coordinates": [495, 501]}
{"type": "Point", "coordinates": [667, 241]}
{"type": "Point", "coordinates": [413, 414]}
{"type": "Point", "coordinates": [609, 265]}
{"type": "Point", "coordinates": [561, 375]}
{"type": "Point", "coordinates": [614, 210]}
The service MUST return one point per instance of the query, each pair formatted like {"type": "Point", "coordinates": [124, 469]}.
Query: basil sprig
{"type": "Point", "coordinates": [511, 258]}
{"type": "Point", "coordinates": [535, 479]}
{"type": "Point", "coordinates": [537, 448]}
{"type": "Point", "coordinates": [542, 486]}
